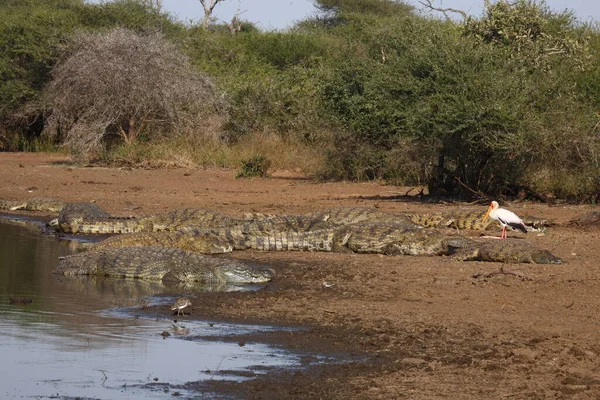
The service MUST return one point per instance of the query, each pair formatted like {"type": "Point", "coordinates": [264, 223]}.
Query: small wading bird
{"type": "Point", "coordinates": [505, 217]}
{"type": "Point", "coordinates": [180, 304]}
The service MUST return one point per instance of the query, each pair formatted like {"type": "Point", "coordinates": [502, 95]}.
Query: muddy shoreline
{"type": "Point", "coordinates": [419, 327]}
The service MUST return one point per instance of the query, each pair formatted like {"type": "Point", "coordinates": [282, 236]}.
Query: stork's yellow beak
{"type": "Point", "coordinates": [487, 214]}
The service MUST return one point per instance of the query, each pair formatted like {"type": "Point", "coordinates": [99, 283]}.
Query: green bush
{"type": "Point", "coordinates": [256, 166]}
{"type": "Point", "coordinates": [461, 110]}
{"type": "Point", "coordinates": [507, 100]}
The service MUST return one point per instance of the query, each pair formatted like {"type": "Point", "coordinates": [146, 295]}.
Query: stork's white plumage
{"type": "Point", "coordinates": [505, 217]}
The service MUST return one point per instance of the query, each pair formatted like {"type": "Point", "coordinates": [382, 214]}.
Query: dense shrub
{"type": "Point", "coordinates": [271, 79]}
{"type": "Point", "coordinates": [487, 105]}
{"type": "Point", "coordinates": [467, 113]}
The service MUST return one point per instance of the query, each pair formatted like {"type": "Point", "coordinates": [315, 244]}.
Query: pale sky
{"type": "Point", "coordinates": [281, 14]}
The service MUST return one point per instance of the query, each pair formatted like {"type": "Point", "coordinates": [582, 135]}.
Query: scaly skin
{"type": "Point", "coordinates": [160, 263]}
{"type": "Point", "coordinates": [187, 238]}
{"type": "Point", "coordinates": [507, 251]}
{"type": "Point", "coordinates": [207, 219]}
{"type": "Point", "coordinates": [34, 204]}
{"type": "Point", "coordinates": [174, 220]}
{"type": "Point", "coordinates": [12, 204]}
{"type": "Point", "coordinates": [395, 239]}
{"type": "Point", "coordinates": [86, 218]}
{"type": "Point", "coordinates": [89, 218]}
{"type": "Point", "coordinates": [399, 239]}
{"type": "Point", "coordinates": [365, 237]}
{"type": "Point", "coordinates": [45, 205]}
{"type": "Point", "coordinates": [588, 219]}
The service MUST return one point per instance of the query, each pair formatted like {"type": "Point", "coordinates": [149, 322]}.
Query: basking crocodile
{"type": "Point", "coordinates": [89, 218]}
{"type": "Point", "coordinates": [365, 237]}
{"type": "Point", "coordinates": [591, 218]}
{"type": "Point", "coordinates": [160, 263]}
{"type": "Point", "coordinates": [507, 251]}
{"type": "Point", "coordinates": [12, 204]}
{"type": "Point", "coordinates": [187, 238]}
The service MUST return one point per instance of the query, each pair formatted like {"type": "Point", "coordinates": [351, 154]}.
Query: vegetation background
{"type": "Point", "coordinates": [504, 105]}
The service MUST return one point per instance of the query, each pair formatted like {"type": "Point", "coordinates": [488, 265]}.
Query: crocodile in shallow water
{"type": "Point", "coordinates": [161, 263]}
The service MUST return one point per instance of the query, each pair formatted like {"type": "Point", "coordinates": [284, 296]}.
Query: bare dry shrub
{"type": "Point", "coordinates": [123, 84]}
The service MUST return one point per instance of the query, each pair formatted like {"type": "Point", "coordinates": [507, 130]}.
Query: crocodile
{"type": "Point", "coordinates": [12, 204]}
{"type": "Point", "coordinates": [365, 237]}
{"type": "Point", "coordinates": [208, 219]}
{"type": "Point", "coordinates": [33, 204]}
{"type": "Point", "coordinates": [89, 218]}
{"type": "Point", "coordinates": [160, 263]}
{"type": "Point", "coordinates": [187, 238]}
{"type": "Point", "coordinates": [507, 251]}
{"type": "Point", "coordinates": [395, 239]}
{"type": "Point", "coordinates": [591, 218]}
{"type": "Point", "coordinates": [358, 237]}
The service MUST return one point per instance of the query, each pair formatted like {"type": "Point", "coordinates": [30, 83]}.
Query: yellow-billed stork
{"type": "Point", "coordinates": [505, 217]}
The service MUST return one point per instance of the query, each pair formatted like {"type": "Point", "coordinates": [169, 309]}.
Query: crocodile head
{"type": "Point", "coordinates": [545, 257]}
{"type": "Point", "coordinates": [75, 264]}
{"type": "Point", "coordinates": [240, 273]}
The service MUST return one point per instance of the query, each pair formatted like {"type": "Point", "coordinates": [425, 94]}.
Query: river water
{"type": "Point", "coordinates": [80, 337]}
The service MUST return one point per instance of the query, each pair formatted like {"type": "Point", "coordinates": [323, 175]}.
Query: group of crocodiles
{"type": "Point", "coordinates": [167, 246]}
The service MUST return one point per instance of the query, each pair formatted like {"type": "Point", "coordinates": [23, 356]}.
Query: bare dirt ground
{"type": "Point", "coordinates": [411, 327]}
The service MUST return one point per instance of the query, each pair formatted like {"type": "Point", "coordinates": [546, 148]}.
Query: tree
{"type": "Point", "coordinates": [208, 6]}
{"type": "Point", "coordinates": [125, 84]}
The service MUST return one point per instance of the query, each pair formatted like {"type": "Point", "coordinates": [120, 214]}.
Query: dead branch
{"type": "Point", "coordinates": [429, 5]}
{"type": "Point", "coordinates": [235, 25]}
{"type": "Point", "coordinates": [477, 193]}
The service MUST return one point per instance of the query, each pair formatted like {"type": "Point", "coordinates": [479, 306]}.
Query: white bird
{"type": "Point", "coordinates": [505, 217]}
